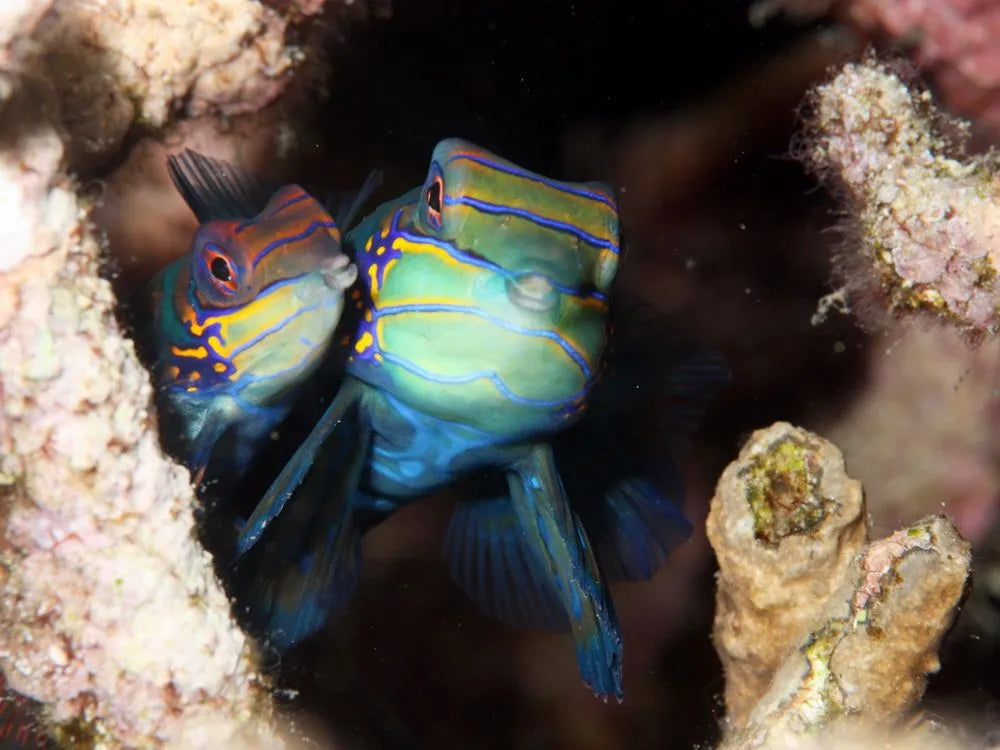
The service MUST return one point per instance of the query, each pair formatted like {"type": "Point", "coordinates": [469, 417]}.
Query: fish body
{"type": "Point", "coordinates": [246, 316]}
{"type": "Point", "coordinates": [484, 305]}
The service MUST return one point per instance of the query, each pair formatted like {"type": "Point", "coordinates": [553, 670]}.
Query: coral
{"type": "Point", "coordinates": [114, 63]}
{"type": "Point", "coordinates": [867, 624]}
{"type": "Point", "coordinates": [776, 574]}
{"type": "Point", "coordinates": [928, 222]}
{"type": "Point", "coordinates": [110, 612]}
{"type": "Point", "coordinates": [954, 41]}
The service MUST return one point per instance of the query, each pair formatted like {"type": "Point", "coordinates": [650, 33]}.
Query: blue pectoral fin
{"type": "Point", "coordinates": [345, 206]}
{"type": "Point", "coordinates": [559, 542]}
{"type": "Point", "coordinates": [217, 190]}
{"type": "Point", "coordinates": [297, 467]}
{"type": "Point", "coordinates": [492, 563]}
{"type": "Point", "coordinates": [308, 566]}
{"type": "Point", "coordinates": [635, 529]}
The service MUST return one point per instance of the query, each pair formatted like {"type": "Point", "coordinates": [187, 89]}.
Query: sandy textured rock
{"type": "Point", "coordinates": [784, 523]}
{"type": "Point", "coordinates": [867, 657]}
{"type": "Point", "coordinates": [110, 64]}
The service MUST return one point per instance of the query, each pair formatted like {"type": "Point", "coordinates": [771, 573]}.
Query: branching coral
{"type": "Point", "coordinates": [857, 632]}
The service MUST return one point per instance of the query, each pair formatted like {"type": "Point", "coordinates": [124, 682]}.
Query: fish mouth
{"type": "Point", "coordinates": [338, 272]}
{"type": "Point", "coordinates": [532, 291]}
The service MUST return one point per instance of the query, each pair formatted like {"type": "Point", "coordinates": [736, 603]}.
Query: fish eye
{"type": "Point", "coordinates": [432, 197]}
{"type": "Point", "coordinates": [221, 270]}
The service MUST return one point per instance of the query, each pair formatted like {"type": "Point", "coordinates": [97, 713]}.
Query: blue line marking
{"type": "Point", "coordinates": [519, 172]}
{"type": "Point", "coordinates": [561, 226]}
{"type": "Point", "coordinates": [488, 375]}
{"type": "Point", "coordinates": [578, 358]}
{"type": "Point", "coordinates": [290, 202]}
{"type": "Point", "coordinates": [311, 229]}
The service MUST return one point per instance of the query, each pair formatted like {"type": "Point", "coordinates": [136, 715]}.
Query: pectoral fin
{"type": "Point", "coordinates": [308, 565]}
{"type": "Point", "coordinates": [295, 470]}
{"type": "Point", "coordinates": [492, 562]}
{"type": "Point", "coordinates": [557, 539]}
{"type": "Point", "coordinates": [634, 528]}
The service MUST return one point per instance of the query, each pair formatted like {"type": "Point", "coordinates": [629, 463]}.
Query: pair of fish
{"type": "Point", "coordinates": [483, 323]}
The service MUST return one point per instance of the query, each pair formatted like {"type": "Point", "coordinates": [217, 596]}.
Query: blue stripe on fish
{"type": "Point", "coordinates": [290, 202]}
{"type": "Point", "coordinates": [482, 375]}
{"type": "Point", "coordinates": [438, 307]}
{"type": "Point", "coordinates": [525, 174]}
{"type": "Point", "coordinates": [280, 324]}
{"type": "Point", "coordinates": [463, 257]}
{"type": "Point", "coordinates": [305, 233]}
{"type": "Point", "coordinates": [561, 226]}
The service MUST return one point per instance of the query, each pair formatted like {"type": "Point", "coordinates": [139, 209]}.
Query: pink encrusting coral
{"type": "Point", "coordinates": [928, 219]}
{"type": "Point", "coordinates": [109, 608]}
{"type": "Point", "coordinates": [958, 41]}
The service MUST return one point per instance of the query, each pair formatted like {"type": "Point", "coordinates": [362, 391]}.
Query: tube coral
{"type": "Point", "coordinates": [871, 619]}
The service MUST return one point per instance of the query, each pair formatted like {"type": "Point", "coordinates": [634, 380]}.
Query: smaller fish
{"type": "Point", "coordinates": [239, 323]}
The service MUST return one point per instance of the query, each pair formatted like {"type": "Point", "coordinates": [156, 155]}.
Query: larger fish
{"type": "Point", "coordinates": [484, 320]}
{"type": "Point", "coordinates": [240, 322]}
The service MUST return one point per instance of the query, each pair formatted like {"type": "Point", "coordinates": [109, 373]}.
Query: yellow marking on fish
{"type": "Point", "coordinates": [373, 280]}
{"type": "Point", "coordinates": [381, 249]}
{"type": "Point", "coordinates": [191, 389]}
{"type": "Point", "coordinates": [195, 375]}
{"type": "Point", "coordinates": [407, 246]}
{"type": "Point", "coordinates": [388, 267]}
{"type": "Point", "coordinates": [174, 371]}
{"type": "Point", "coordinates": [462, 313]}
{"type": "Point", "coordinates": [219, 367]}
{"type": "Point", "coordinates": [378, 357]}
{"type": "Point", "coordinates": [368, 244]}
{"type": "Point", "coordinates": [368, 316]}
{"type": "Point", "coordinates": [363, 343]}
{"type": "Point", "coordinates": [199, 352]}
{"type": "Point", "coordinates": [265, 312]}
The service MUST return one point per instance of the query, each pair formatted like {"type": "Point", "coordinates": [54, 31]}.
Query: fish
{"type": "Point", "coordinates": [483, 303]}
{"type": "Point", "coordinates": [234, 327]}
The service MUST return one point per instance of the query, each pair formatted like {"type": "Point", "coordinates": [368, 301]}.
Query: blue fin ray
{"type": "Point", "coordinates": [557, 538]}
{"type": "Point", "coordinates": [309, 564]}
{"type": "Point", "coordinates": [294, 472]}
{"type": "Point", "coordinates": [345, 206]}
{"type": "Point", "coordinates": [491, 562]}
